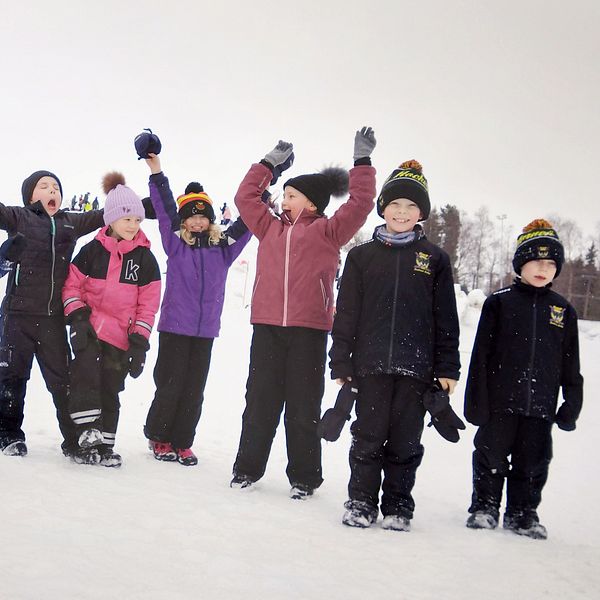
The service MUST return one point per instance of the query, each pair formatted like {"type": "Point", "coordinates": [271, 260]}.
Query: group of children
{"type": "Point", "coordinates": [395, 331]}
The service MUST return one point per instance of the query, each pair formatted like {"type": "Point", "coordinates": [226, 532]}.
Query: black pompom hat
{"type": "Point", "coordinates": [407, 181]}
{"type": "Point", "coordinates": [538, 241]}
{"type": "Point", "coordinates": [195, 201]}
{"type": "Point", "coordinates": [319, 187]}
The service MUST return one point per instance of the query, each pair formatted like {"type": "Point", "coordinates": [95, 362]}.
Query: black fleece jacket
{"type": "Point", "coordinates": [396, 313]}
{"type": "Point", "coordinates": [526, 348]}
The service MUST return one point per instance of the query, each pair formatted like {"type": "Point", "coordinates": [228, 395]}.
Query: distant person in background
{"type": "Point", "coordinates": [110, 298]}
{"type": "Point", "coordinates": [33, 316]}
{"type": "Point", "coordinates": [81, 203]}
{"type": "Point", "coordinates": [73, 202]}
{"type": "Point", "coordinates": [199, 256]}
{"type": "Point", "coordinates": [292, 306]}
{"type": "Point", "coordinates": [396, 330]}
{"type": "Point", "coordinates": [225, 214]}
{"type": "Point", "coordinates": [95, 204]}
{"type": "Point", "coordinates": [525, 350]}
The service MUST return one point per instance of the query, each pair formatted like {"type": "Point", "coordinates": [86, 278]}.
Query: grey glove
{"type": "Point", "coordinates": [280, 153]}
{"type": "Point", "coordinates": [364, 143]}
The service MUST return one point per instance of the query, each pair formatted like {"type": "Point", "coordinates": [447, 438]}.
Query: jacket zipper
{"type": "Point", "coordinates": [324, 294]}
{"type": "Point", "coordinates": [53, 236]}
{"type": "Point", "coordinates": [286, 273]}
{"type": "Point", "coordinates": [532, 357]}
{"type": "Point", "coordinates": [201, 289]}
{"type": "Point", "coordinates": [393, 324]}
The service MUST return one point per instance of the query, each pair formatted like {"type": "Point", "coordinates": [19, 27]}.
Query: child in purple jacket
{"type": "Point", "coordinates": [199, 256]}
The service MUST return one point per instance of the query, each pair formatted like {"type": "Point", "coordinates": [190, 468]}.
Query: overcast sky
{"type": "Point", "coordinates": [500, 101]}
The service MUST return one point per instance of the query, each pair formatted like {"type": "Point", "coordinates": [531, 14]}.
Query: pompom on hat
{"type": "Point", "coordinates": [407, 181]}
{"type": "Point", "coordinates": [538, 241]}
{"type": "Point", "coordinates": [121, 201]}
{"type": "Point", "coordinates": [195, 201]}
{"type": "Point", "coordinates": [319, 187]}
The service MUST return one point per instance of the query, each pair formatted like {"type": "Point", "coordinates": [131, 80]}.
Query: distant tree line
{"type": "Point", "coordinates": [481, 247]}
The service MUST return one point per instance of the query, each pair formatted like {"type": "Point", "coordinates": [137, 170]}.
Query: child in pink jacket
{"type": "Point", "coordinates": [110, 298]}
{"type": "Point", "coordinates": [292, 306]}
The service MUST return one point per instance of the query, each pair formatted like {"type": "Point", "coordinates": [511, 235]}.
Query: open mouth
{"type": "Point", "coordinates": [52, 203]}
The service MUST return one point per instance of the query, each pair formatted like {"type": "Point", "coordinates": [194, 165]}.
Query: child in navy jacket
{"type": "Point", "coordinates": [395, 330]}
{"type": "Point", "coordinates": [32, 314]}
{"type": "Point", "coordinates": [525, 350]}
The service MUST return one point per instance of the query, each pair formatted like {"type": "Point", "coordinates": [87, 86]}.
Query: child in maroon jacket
{"type": "Point", "coordinates": [292, 306]}
{"type": "Point", "coordinates": [110, 298]}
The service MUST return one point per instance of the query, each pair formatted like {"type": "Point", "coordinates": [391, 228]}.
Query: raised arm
{"type": "Point", "coordinates": [248, 199]}
{"type": "Point", "coordinates": [163, 203]}
{"type": "Point", "coordinates": [351, 216]}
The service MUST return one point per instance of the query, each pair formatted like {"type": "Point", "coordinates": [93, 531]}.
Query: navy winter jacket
{"type": "Point", "coordinates": [36, 282]}
{"type": "Point", "coordinates": [526, 348]}
{"type": "Point", "coordinates": [396, 313]}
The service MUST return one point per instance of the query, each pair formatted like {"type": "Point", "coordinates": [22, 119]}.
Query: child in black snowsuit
{"type": "Point", "coordinates": [396, 329]}
{"type": "Point", "coordinates": [33, 322]}
{"type": "Point", "coordinates": [526, 348]}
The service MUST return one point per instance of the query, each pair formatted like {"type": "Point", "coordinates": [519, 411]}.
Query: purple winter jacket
{"type": "Point", "coordinates": [195, 288]}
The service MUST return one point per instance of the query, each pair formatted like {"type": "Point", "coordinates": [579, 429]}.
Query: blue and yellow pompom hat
{"type": "Point", "coordinates": [407, 181]}
{"type": "Point", "coordinates": [538, 241]}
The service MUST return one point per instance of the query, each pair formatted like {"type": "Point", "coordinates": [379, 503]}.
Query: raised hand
{"type": "Point", "coordinates": [280, 153]}
{"type": "Point", "coordinates": [364, 143]}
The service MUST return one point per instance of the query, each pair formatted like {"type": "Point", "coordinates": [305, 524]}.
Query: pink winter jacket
{"type": "Point", "coordinates": [297, 261]}
{"type": "Point", "coordinates": [120, 282]}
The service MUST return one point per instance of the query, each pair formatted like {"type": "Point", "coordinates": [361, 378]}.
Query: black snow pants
{"type": "Point", "coordinates": [23, 337]}
{"type": "Point", "coordinates": [180, 376]}
{"type": "Point", "coordinates": [528, 442]}
{"type": "Point", "coordinates": [287, 369]}
{"type": "Point", "coordinates": [98, 375]}
{"type": "Point", "coordinates": [386, 436]}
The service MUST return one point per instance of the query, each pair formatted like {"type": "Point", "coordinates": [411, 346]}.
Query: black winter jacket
{"type": "Point", "coordinates": [36, 282]}
{"type": "Point", "coordinates": [526, 348]}
{"type": "Point", "coordinates": [396, 313]}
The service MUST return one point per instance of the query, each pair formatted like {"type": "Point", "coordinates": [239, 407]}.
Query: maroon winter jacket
{"type": "Point", "coordinates": [297, 260]}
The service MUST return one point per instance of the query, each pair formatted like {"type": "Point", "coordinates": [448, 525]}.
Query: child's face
{"type": "Point", "coordinates": [401, 215]}
{"type": "Point", "coordinates": [538, 273]}
{"type": "Point", "coordinates": [125, 228]}
{"type": "Point", "coordinates": [295, 201]}
{"type": "Point", "coordinates": [47, 192]}
{"type": "Point", "coordinates": [196, 223]}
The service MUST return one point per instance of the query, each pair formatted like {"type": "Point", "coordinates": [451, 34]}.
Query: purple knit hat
{"type": "Point", "coordinates": [121, 201]}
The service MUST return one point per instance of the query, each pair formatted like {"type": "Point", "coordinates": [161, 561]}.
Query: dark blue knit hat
{"type": "Point", "coordinates": [30, 183]}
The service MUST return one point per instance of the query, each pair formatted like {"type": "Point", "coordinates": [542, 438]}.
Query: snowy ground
{"type": "Point", "coordinates": [159, 530]}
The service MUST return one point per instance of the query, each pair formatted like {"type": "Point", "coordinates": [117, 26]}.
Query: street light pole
{"type": "Point", "coordinates": [502, 218]}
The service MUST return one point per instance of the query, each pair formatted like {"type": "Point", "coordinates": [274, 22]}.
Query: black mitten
{"type": "Point", "coordinates": [82, 332]}
{"type": "Point", "coordinates": [147, 143]}
{"type": "Point", "coordinates": [136, 355]}
{"type": "Point", "coordinates": [332, 422]}
{"type": "Point", "coordinates": [564, 419]}
{"type": "Point", "coordinates": [437, 402]}
{"type": "Point", "coordinates": [13, 247]}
